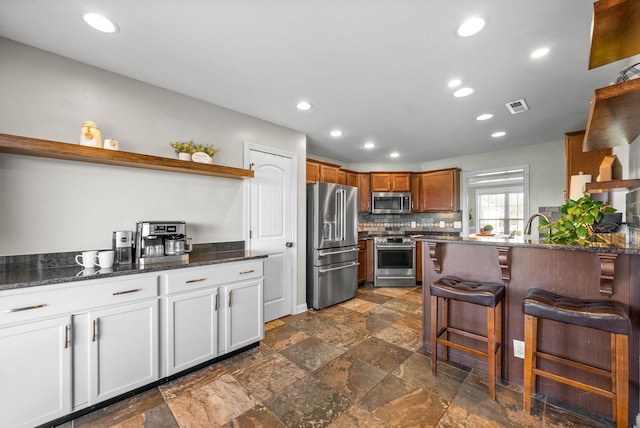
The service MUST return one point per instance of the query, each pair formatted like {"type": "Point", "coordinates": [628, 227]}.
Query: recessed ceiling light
{"type": "Point", "coordinates": [484, 116]}
{"type": "Point", "coordinates": [539, 53]}
{"type": "Point", "coordinates": [454, 82]}
{"type": "Point", "coordinates": [369, 145]}
{"type": "Point", "coordinates": [336, 133]}
{"type": "Point", "coordinates": [303, 105]}
{"type": "Point", "coordinates": [471, 26]}
{"type": "Point", "coordinates": [463, 92]}
{"type": "Point", "coordinates": [498, 134]}
{"type": "Point", "coordinates": [394, 154]}
{"type": "Point", "coordinates": [100, 23]}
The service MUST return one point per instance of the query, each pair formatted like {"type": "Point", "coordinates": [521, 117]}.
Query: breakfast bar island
{"type": "Point", "coordinates": [597, 271]}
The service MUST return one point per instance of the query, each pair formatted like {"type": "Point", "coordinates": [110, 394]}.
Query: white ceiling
{"type": "Point", "coordinates": [376, 69]}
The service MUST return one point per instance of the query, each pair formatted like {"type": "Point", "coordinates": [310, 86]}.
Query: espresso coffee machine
{"type": "Point", "coordinates": [162, 242]}
{"type": "Point", "coordinates": [122, 244]}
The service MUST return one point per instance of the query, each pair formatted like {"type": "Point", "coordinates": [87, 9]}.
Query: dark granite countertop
{"type": "Point", "coordinates": [504, 240]}
{"type": "Point", "coordinates": [25, 273]}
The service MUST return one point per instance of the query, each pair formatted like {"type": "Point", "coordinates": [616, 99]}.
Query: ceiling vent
{"type": "Point", "coordinates": [517, 106]}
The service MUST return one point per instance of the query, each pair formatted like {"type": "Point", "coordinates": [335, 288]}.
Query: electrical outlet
{"type": "Point", "coordinates": [518, 349]}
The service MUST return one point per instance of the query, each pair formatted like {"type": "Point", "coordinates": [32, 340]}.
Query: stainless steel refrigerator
{"type": "Point", "coordinates": [332, 244]}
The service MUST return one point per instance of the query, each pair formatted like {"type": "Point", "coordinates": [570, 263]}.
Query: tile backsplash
{"type": "Point", "coordinates": [434, 222]}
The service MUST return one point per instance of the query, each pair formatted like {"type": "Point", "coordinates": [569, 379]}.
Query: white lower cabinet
{"type": "Point", "coordinates": [192, 327]}
{"type": "Point", "coordinates": [243, 314]}
{"type": "Point", "coordinates": [123, 352]}
{"type": "Point", "coordinates": [65, 347]}
{"type": "Point", "coordinates": [210, 311]}
{"type": "Point", "coordinates": [35, 372]}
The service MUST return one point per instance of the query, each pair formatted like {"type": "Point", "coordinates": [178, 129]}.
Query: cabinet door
{"type": "Point", "coordinates": [364, 193]}
{"type": "Point", "coordinates": [401, 182]}
{"type": "Point", "coordinates": [35, 372]}
{"type": "Point", "coordinates": [577, 160]}
{"type": "Point", "coordinates": [123, 353]}
{"type": "Point", "coordinates": [380, 182]}
{"type": "Point", "coordinates": [415, 193]}
{"type": "Point", "coordinates": [328, 174]}
{"type": "Point", "coordinates": [313, 172]}
{"type": "Point", "coordinates": [362, 260]}
{"type": "Point", "coordinates": [353, 179]}
{"type": "Point", "coordinates": [440, 190]}
{"type": "Point", "coordinates": [244, 322]}
{"type": "Point", "coordinates": [342, 177]}
{"type": "Point", "coordinates": [192, 330]}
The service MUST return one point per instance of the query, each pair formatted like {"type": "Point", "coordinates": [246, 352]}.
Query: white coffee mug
{"type": "Point", "coordinates": [104, 259]}
{"type": "Point", "coordinates": [86, 259]}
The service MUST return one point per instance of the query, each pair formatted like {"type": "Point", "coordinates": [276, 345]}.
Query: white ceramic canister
{"type": "Point", "coordinates": [90, 134]}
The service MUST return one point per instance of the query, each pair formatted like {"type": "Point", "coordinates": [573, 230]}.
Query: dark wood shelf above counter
{"type": "Point", "coordinates": [613, 117]}
{"type": "Point", "coordinates": [27, 146]}
{"type": "Point", "coordinates": [612, 185]}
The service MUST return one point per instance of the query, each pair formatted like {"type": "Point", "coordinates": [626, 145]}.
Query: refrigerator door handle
{"type": "Point", "coordinates": [337, 252]}
{"type": "Point", "coordinates": [338, 268]}
{"type": "Point", "coordinates": [340, 214]}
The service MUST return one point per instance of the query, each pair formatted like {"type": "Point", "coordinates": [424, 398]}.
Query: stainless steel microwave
{"type": "Point", "coordinates": [390, 203]}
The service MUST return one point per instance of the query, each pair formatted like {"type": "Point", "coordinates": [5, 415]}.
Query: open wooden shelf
{"type": "Point", "coordinates": [66, 151]}
{"type": "Point", "coordinates": [616, 31]}
{"type": "Point", "coordinates": [613, 184]}
{"type": "Point", "coordinates": [613, 118]}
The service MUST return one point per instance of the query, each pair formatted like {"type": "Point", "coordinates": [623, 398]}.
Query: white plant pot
{"type": "Point", "coordinates": [184, 156]}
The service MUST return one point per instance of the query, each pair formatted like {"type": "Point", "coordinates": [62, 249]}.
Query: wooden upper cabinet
{"type": "Point", "coordinates": [342, 177]}
{"type": "Point", "coordinates": [581, 161]}
{"type": "Point", "coordinates": [353, 178]}
{"type": "Point", "coordinates": [313, 171]}
{"type": "Point", "coordinates": [322, 171]}
{"type": "Point", "coordinates": [415, 193]}
{"type": "Point", "coordinates": [440, 190]}
{"type": "Point", "coordinates": [390, 181]}
{"type": "Point", "coordinates": [364, 190]}
{"type": "Point", "coordinates": [615, 32]}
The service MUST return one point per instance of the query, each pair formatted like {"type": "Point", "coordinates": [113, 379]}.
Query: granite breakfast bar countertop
{"type": "Point", "coordinates": [527, 242]}
{"type": "Point", "coordinates": [56, 268]}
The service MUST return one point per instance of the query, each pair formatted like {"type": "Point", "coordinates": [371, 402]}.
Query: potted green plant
{"type": "Point", "coordinates": [575, 225]}
{"type": "Point", "coordinates": [184, 150]}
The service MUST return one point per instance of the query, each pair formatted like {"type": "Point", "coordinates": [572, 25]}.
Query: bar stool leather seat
{"type": "Point", "coordinates": [485, 294]}
{"type": "Point", "coordinates": [604, 315]}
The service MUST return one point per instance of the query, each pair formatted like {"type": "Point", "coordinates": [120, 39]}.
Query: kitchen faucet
{"type": "Point", "coordinates": [527, 228]}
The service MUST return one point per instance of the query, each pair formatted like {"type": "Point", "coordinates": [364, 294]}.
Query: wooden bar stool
{"type": "Point", "coordinates": [477, 293]}
{"type": "Point", "coordinates": [602, 315]}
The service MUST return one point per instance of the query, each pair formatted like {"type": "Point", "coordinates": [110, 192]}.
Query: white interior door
{"type": "Point", "coordinates": [272, 226]}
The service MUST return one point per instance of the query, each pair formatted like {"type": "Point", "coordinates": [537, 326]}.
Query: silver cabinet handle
{"type": "Point", "coordinates": [117, 293]}
{"type": "Point", "coordinates": [95, 331]}
{"type": "Point", "coordinates": [67, 336]}
{"type": "Point", "coordinates": [24, 308]}
{"type": "Point", "coordinates": [215, 307]}
{"type": "Point", "coordinates": [230, 298]}
{"type": "Point", "coordinates": [244, 272]}
{"type": "Point", "coordinates": [195, 280]}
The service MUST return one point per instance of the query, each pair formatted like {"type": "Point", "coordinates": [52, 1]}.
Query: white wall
{"type": "Point", "coordinates": [54, 206]}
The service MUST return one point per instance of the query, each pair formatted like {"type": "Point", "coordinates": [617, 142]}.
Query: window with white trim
{"type": "Point", "coordinates": [497, 197]}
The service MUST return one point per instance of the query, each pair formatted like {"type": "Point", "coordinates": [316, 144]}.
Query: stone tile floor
{"type": "Point", "coordinates": [356, 364]}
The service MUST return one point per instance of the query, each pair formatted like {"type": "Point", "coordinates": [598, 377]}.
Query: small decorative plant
{"type": "Point", "coordinates": [208, 149]}
{"type": "Point", "coordinates": [487, 228]}
{"type": "Point", "coordinates": [575, 226]}
{"type": "Point", "coordinates": [179, 147]}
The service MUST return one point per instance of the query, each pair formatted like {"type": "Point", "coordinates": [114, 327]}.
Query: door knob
{"type": "Point", "coordinates": [289, 244]}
